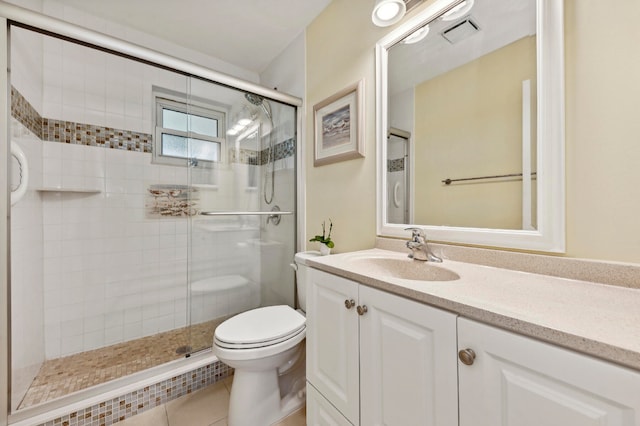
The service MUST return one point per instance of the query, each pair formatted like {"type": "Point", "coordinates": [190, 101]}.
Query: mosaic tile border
{"type": "Point", "coordinates": [260, 158]}
{"type": "Point", "coordinates": [123, 407]}
{"type": "Point", "coordinates": [396, 165]}
{"type": "Point", "coordinates": [25, 113]}
{"type": "Point", "coordinates": [76, 133]}
{"type": "Point", "coordinates": [90, 135]}
{"type": "Point", "coordinates": [71, 132]}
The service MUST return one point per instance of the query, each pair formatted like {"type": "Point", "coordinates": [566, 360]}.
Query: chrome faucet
{"type": "Point", "coordinates": [419, 247]}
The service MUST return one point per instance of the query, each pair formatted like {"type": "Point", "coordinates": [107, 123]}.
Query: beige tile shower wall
{"type": "Point", "coordinates": [83, 85]}
{"type": "Point", "coordinates": [26, 65]}
{"type": "Point", "coordinates": [113, 273]}
{"type": "Point", "coordinates": [27, 314]}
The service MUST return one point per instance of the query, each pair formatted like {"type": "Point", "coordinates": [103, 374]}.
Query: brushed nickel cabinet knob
{"type": "Point", "coordinates": [362, 309]}
{"type": "Point", "coordinates": [467, 356]}
{"type": "Point", "coordinates": [349, 303]}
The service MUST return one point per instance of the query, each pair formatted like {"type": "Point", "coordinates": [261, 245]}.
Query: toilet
{"type": "Point", "coordinates": [265, 346]}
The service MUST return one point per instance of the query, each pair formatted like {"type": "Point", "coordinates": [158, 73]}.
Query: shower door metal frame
{"type": "Point", "coordinates": [5, 326]}
{"type": "Point", "coordinates": [14, 15]}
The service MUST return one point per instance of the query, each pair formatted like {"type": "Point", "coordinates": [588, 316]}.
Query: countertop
{"type": "Point", "coordinates": [596, 319]}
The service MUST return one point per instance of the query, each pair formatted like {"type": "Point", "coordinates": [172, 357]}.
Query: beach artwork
{"type": "Point", "coordinates": [338, 126]}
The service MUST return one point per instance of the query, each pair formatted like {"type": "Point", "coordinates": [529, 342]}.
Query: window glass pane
{"type": "Point", "coordinates": [174, 120]}
{"type": "Point", "coordinates": [203, 125]}
{"type": "Point", "coordinates": [176, 146]}
{"type": "Point", "coordinates": [204, 150]}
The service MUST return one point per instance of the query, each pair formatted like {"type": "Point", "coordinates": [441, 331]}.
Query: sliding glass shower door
{"type": "Point", "coordinates": [114, 266]}
{"type": "Point", "coordinates": [242, 200]}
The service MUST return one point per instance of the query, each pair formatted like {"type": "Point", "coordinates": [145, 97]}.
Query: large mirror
{"type": "Point", "coordinates": [470, 124]}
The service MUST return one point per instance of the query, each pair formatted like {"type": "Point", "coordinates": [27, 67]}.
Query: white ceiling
{"type": "Point", "coordinates": [246, 33]}
{"type": "Point", "coordinates": [501, 22]}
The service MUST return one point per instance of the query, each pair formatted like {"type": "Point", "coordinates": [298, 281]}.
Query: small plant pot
{"type": "Point", "coordinates": [324, 249]}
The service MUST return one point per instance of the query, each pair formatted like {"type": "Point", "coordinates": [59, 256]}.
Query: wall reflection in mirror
{"type": "Point", "coordinates": [461, 146]}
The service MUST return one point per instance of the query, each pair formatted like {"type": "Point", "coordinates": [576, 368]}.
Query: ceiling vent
{"type": "Point", "coordinates": [412, 3]}
{"type": "Point", "coordinates": [461, 30]}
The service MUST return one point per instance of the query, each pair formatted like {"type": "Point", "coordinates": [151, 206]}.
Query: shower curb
{"type": "Point", "coordinates": [114, 410]}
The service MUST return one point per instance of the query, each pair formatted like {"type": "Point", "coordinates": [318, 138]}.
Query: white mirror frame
{"type": "Point", "coordinates": [550, 233]}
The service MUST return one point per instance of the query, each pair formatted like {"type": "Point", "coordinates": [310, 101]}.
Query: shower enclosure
{"type": "Point", "coordinates": [158, 204]}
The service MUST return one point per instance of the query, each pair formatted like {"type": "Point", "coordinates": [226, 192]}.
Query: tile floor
{"type": "Point", "coordinates": [206, 407]}
{"type": "Point", "coordinates": [62, 376]}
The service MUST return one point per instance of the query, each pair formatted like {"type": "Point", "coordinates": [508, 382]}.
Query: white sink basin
{"type": "Point", "coordinates": [406, 269]}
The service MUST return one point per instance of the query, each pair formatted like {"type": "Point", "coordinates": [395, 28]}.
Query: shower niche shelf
{"type": "Point", "coordinates": [69, 189]}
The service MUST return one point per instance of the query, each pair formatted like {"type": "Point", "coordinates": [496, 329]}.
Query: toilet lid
{"type": "Point", "coordinates": [260, 327]}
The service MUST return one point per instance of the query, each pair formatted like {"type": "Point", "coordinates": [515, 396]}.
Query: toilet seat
{"type": "Point", "coordinates": [259, 328]}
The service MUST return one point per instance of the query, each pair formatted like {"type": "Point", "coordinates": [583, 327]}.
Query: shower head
{"type": "Point", "coordinates": [254, 99]}
{"type": "Point", "coordinates": [258, 100]}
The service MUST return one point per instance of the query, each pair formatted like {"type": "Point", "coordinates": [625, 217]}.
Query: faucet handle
{"type": "Point", "coordinates": [416, 233]}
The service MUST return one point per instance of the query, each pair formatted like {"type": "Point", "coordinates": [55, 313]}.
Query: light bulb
{"type": "Point", "coordinates": [458, 11]}
{"type": "Point", "coordinates": [417, 35]}
{"type": "Point", "coordinates": [388, 12]}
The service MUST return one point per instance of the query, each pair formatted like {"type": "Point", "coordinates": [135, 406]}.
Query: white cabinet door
{"type": "Point", "coordinates": [320, 412]}
{"type": "Point", "coordinates": [332, 341]}
{"type": "Point", "coordinates": [408, 362]}
{"type": "Point", "coordinates": [518, 381]}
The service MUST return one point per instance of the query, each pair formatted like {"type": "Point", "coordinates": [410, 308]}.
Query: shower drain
{"type": "Point", "coordinates": [183, 349]}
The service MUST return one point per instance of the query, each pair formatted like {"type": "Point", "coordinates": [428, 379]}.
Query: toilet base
{"type": "Point", "coordinates": [255, 399]}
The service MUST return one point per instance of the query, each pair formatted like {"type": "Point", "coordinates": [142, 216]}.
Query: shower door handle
{"type": "Point", "coordinates": [275, 213]}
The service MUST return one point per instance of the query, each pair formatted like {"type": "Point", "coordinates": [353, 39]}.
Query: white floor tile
{"type": "Point", "coordinates": [201, 408]}
{"type": "Point", "coordinates": [155, 417]}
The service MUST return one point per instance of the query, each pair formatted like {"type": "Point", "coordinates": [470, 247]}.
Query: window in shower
{"type": "Point", "coordinates": [187, 132]}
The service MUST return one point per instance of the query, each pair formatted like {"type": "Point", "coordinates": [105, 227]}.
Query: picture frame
{"type": "Point", "coordinates": [338, 126]}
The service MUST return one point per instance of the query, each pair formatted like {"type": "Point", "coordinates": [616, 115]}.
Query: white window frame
{"type": "Point", "coordinates": [165, 100]}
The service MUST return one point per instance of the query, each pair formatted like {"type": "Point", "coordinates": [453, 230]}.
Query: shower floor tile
{"type": "Point", "coordinates": [62, 376]}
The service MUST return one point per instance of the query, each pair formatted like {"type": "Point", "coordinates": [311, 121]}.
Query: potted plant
{"type": "Point", "coordinates": [325, 241]}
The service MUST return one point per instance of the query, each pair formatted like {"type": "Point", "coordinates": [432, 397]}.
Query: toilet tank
{"type": "Point", "coordinates": [302, 274]}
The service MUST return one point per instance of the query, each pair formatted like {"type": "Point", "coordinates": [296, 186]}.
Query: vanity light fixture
{"type": "Point", "coordinates": [388, 12]}
{"type": "Point", "coordinates": [417, 35]}
{"type": "Point", "coordinates": [458, 11]}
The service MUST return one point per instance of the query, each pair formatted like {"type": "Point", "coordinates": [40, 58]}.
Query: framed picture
{"type": "Point", "coordinates": [338, 126]}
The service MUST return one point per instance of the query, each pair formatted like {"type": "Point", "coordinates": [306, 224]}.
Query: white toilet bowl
{"type": "Point", "coordinates": [266, 348]}
{"type": "Point", "coordinates": [260, 345]}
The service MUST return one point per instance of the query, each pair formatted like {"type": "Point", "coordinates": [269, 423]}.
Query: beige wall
{"type": "Point", "coordinates": [487, 94]}
{"type": "Point", "coordinates": [603, 129]}
{"type": "Point", "coordinates": [340, 51]}
{"type": "Point", "coordinates": [602, 119]}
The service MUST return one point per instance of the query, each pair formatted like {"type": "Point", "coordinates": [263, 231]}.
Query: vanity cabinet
{"type": "Point", "coordinates": [374, 358]}
{"type": "Point", "coordinates": [516, 380]}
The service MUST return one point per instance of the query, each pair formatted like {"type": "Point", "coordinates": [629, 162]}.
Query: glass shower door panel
{"type": "Point", "coordinates": [238, 256]}
{"type": "Point", "coordinates": [99, 269]}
